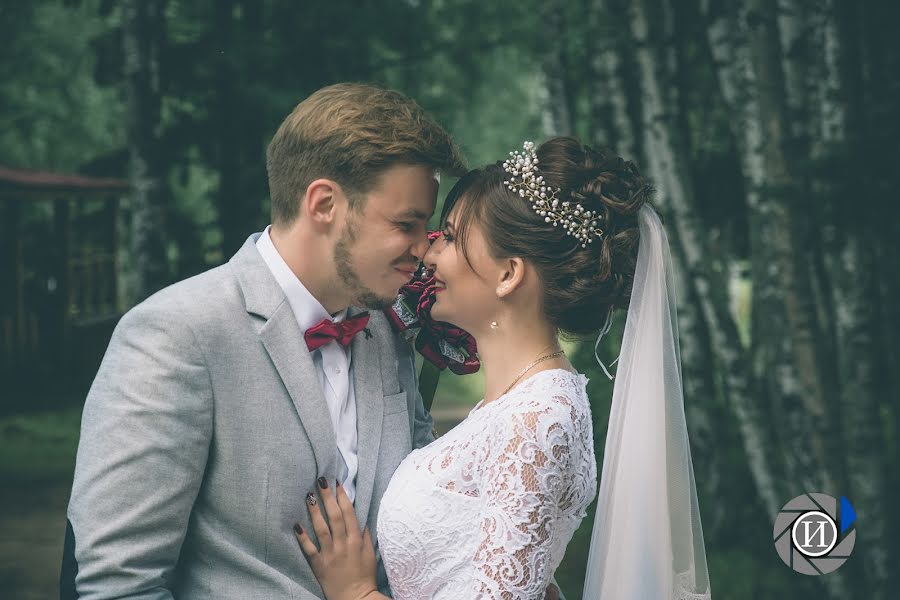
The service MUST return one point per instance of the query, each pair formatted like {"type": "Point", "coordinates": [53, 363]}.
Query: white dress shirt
{"type": "Point", "coordinates": [331, 361]}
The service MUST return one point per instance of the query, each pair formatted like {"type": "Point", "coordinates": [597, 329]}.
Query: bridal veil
{"type": "Point", "coordinates": [647, 541]}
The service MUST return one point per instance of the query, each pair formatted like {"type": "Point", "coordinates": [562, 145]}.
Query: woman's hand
{"type": "Point", "coordinates": [345, 563]}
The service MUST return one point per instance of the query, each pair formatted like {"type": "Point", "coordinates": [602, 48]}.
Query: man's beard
{"type": "Point", "coordinates": [361, 295]}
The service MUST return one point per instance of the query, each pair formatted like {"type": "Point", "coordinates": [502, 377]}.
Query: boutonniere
{"type": "Point", "coordinates": [441, 344]}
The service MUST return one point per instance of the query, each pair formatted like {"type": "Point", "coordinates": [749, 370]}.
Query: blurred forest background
{"type": "Point", "coordinates": [770, 128]}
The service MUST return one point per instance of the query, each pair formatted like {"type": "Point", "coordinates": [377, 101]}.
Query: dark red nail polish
{"type": "Point", "coordinates": [297, 529]}
{"type": "Point", "coordinates": [323, 483]}
{"type": "Point", "coordinates": [311, 499]}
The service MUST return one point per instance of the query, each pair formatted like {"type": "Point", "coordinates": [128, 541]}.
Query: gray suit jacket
{"type": "Point", "coordinates": [204, 430]}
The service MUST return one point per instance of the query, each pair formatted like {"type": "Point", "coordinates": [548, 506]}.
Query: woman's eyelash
{"type": "Point", "coordinates": [447, 235]}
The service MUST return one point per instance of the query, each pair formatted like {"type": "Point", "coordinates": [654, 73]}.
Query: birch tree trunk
{"type": "Point", "coordinates": [800, 32]}
{"type": "Point", "coordinates": [735, 75]}
{"type": "Point", "coordinates": [751, 80]}
{"type": "Point", "coordinates": [752, 71]}
{"type": "Point", "coordinates": [559, 117]}
{"type": "Point", "coordinates": [855, 288]}
{"type": "Point", "coordinates": [142, 38]}
{"type": "Point", "coordinates": [666, 152]}
{"type": "Point", "coordinates": [822, 68]}
{"type": "Point", "coordinates": [801, 25]}
{"type": "Point", "coordinates": [702, 409]}
{"type": "Point", "coordinates": [785, 341]}
{"type": "Point", "coordinates": [615, 100]}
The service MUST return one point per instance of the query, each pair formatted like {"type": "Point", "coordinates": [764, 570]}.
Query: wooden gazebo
{"type": "Point", "coordinates": [58, 272]}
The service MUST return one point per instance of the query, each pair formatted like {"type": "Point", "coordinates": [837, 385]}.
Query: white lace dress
{"type": "Point", "coordinates": [486, 511]}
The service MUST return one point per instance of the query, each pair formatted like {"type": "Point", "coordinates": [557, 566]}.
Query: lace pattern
{"type": "Point", "coordinates": [487, 510]}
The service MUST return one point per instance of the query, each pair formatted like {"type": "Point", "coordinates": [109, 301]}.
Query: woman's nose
{"type": "Point", "coordinates": [431, 254]}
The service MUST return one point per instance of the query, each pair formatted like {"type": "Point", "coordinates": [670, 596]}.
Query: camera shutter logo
{"type": "Point", "coordinates": [814, 533]}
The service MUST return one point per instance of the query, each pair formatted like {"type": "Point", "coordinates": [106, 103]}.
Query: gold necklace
{"type": "Point", "coordinates": [529, 367]}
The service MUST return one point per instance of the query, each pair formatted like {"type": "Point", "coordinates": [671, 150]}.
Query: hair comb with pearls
{"type": "Point", "coordinates": [529, 184]}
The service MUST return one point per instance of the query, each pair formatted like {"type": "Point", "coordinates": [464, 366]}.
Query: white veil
{"type": "Point", "coordinates": [647, 541]}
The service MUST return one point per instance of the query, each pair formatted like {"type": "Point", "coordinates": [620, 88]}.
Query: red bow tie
{"type": "Point", "coordinates": [326, 330]}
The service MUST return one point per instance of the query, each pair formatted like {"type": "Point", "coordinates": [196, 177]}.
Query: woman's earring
{"type": "Point", "coordinates": [494, 325]}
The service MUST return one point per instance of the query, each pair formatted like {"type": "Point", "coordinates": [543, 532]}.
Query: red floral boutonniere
{"type": "Point", "coordinates": [441, 344]}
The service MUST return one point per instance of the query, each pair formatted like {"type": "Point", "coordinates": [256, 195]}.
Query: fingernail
{"type": "Point", "coordinates": [337, 483]}
{"type": "Point", "coordinates": [297, 529]}
{"type": "Point", "coordinates": [311, 499]}
{"type": "Point", "coordinates": [323, 483]}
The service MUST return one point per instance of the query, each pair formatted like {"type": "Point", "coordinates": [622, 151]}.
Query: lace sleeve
{"type": "Point", "coordinates": [524, 482]}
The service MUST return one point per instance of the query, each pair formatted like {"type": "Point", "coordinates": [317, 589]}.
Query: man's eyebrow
{"type": "Point", "coordinates": [414, 214]}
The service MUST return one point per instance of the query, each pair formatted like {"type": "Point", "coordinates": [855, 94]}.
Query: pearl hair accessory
{"type": "Point", "coordinates": [527, 183]}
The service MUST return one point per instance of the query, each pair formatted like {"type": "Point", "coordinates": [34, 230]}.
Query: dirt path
{"type": "Point", "coordinates": [32, 526]}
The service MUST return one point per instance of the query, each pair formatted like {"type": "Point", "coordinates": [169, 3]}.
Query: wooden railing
{"type": "Point", "coordinates": [92, 287]}
{"type": "Point", "coordinates": [56, 312]}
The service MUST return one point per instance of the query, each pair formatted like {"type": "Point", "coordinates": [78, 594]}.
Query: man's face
{"type": "Point", "coordinates": [382, 244]}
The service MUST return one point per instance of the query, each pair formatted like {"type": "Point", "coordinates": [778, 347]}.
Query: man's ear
{"type": "Point", "coordinates": [321, 202]}
{"type": "Point", "coordinates": [512, 274]}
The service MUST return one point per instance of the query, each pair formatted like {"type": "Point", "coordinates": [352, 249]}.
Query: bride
{"type": "Point", "coordinates": [550, 241]}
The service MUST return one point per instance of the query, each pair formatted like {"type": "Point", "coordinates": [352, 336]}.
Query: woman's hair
{"type": "Point", "coordinates": [580, 284]}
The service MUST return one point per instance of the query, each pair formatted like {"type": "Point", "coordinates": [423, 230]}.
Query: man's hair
{"type": "Point", "coordinates": [352, 133]}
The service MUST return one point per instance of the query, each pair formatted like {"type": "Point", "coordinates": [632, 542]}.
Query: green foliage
{"type": "Point", "coordinates": [55, 116]}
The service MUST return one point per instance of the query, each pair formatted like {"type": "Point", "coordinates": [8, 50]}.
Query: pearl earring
{"type": "Point", "coordinates": [494, 325]}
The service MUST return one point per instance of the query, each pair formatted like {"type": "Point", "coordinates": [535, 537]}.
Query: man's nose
{"type": "Point", "coordinates": [421, 248]}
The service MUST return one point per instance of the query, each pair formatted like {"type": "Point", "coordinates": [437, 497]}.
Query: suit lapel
{"type": "Point", "coordinates": [283, 340]}
{"type": "Point", "coordinates": [367, 388]}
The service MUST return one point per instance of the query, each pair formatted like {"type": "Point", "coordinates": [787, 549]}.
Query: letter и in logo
{"type": "Point", "coordinates": [812, 536]}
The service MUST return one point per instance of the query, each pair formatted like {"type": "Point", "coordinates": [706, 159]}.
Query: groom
{"type": "Point", "coordinates": [222, 399]}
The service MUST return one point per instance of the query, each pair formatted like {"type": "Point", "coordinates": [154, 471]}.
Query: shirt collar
{"type": "Point", "coordinates": [307, 310]}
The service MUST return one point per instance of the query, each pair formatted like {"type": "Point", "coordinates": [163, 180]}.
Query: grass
{"type": "Point", "coordinates": [39, 447]}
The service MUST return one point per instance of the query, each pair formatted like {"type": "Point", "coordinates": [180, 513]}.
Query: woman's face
{"type": "Point", "coordinates": [466, 295]}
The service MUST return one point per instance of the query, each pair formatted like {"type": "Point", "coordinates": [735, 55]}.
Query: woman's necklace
{"type": "Point", "coordinates": [529, 367]}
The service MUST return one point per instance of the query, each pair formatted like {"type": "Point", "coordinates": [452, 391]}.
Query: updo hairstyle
{"type": "Point", "coordinates": [580, 284]}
